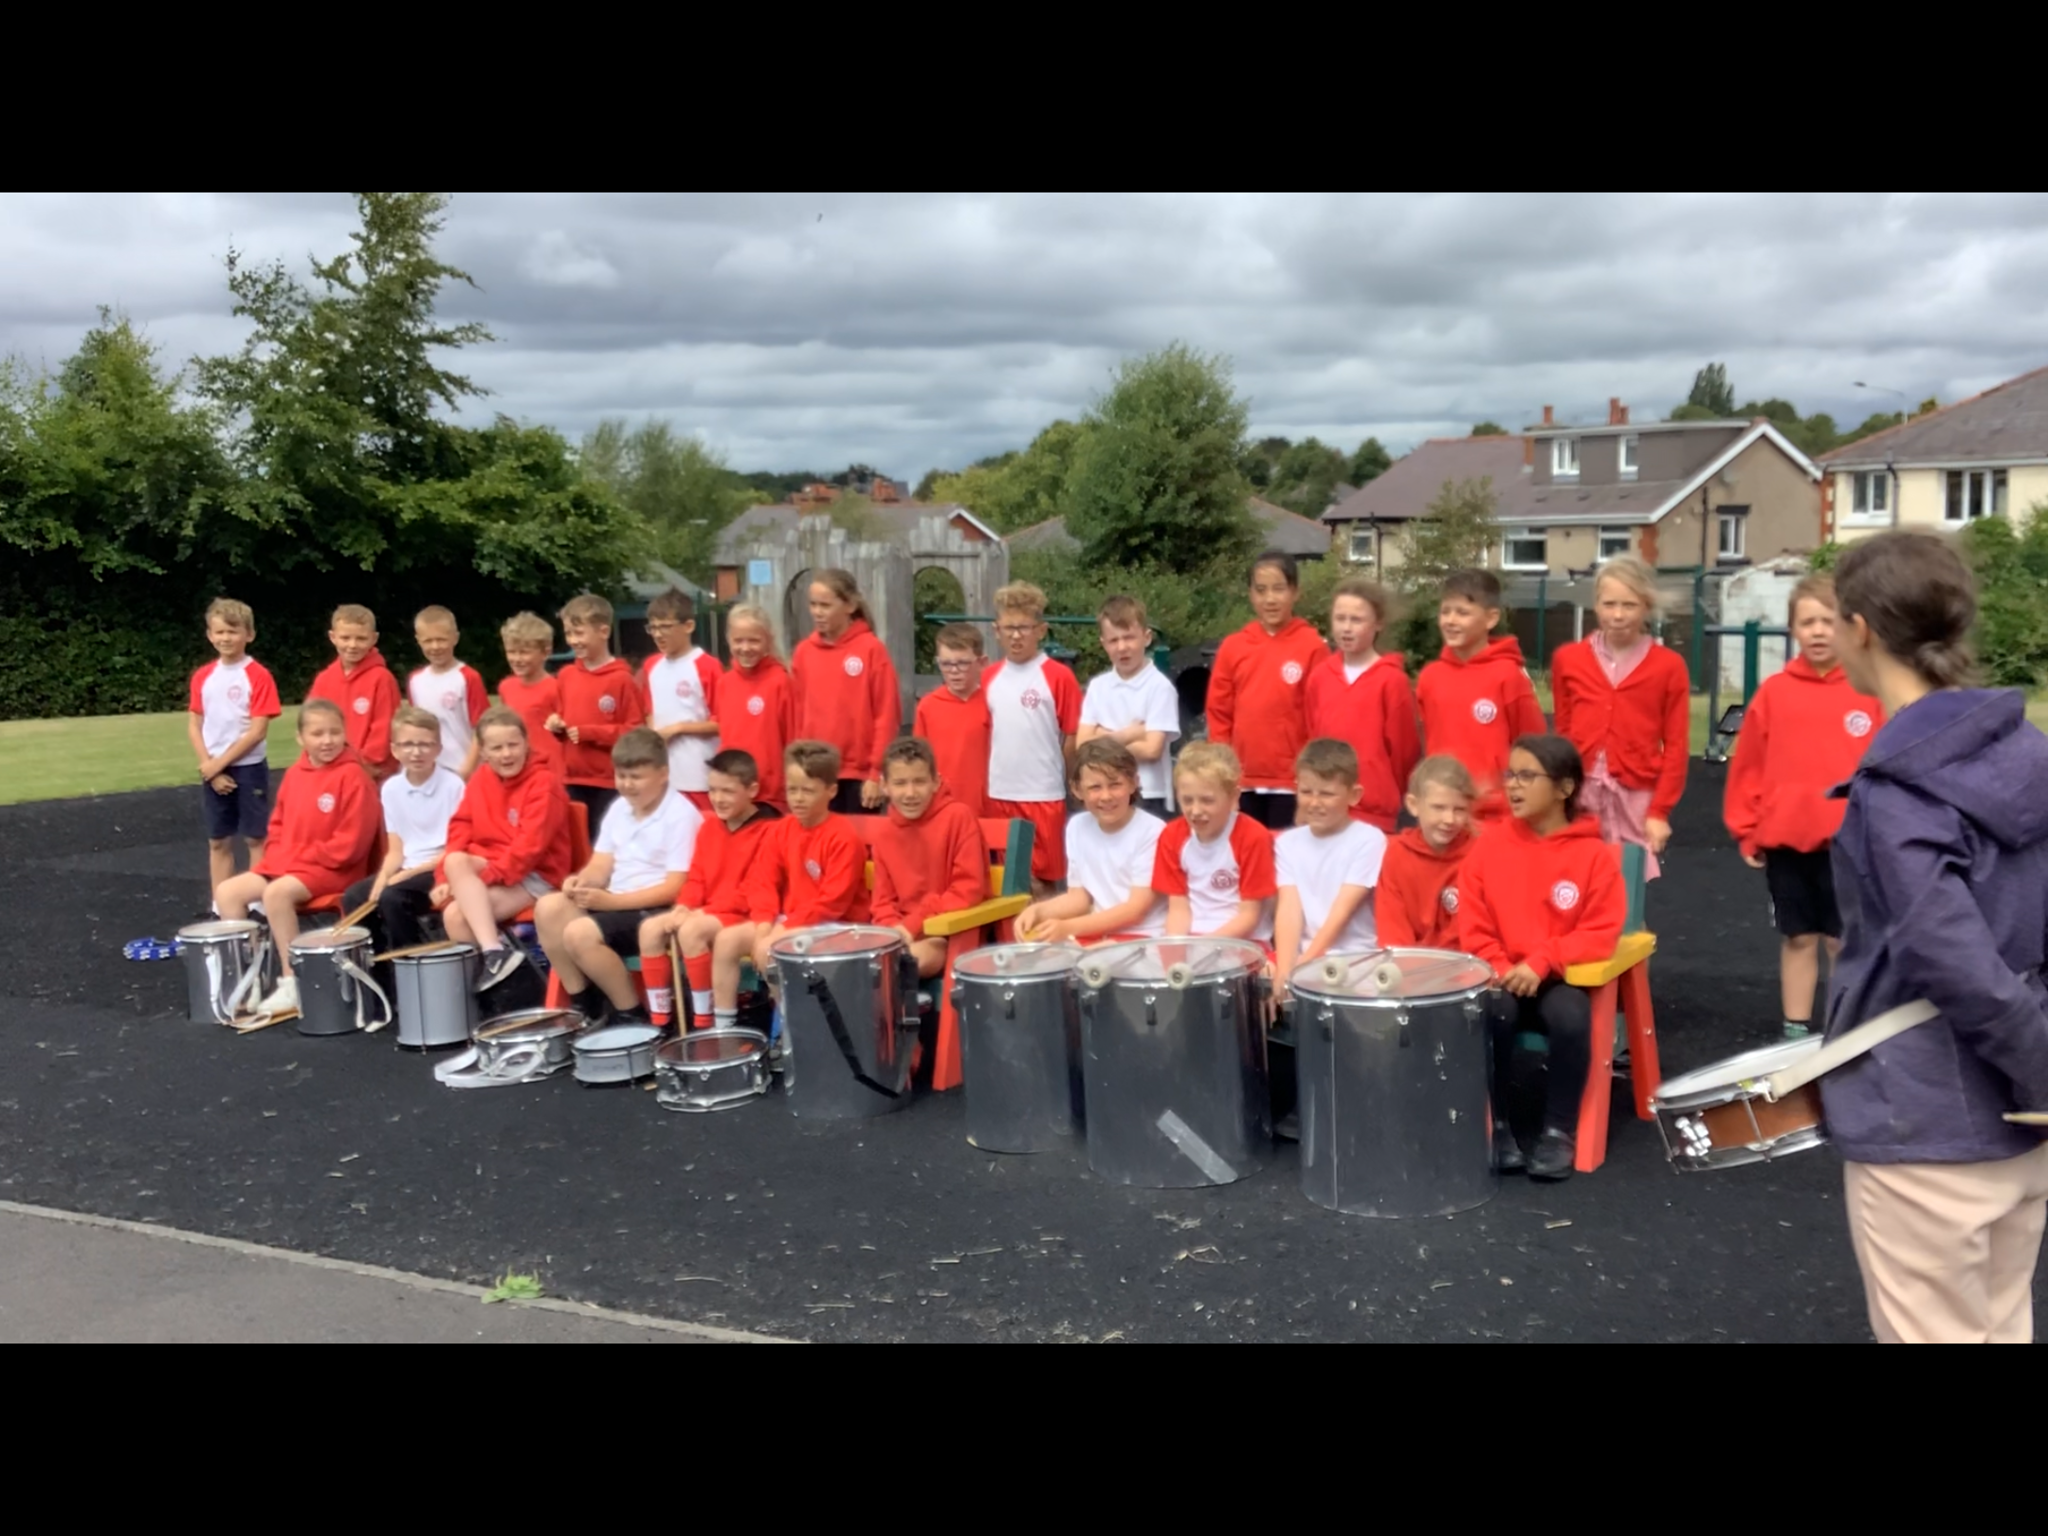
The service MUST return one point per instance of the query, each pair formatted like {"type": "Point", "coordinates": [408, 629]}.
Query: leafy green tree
{"type": "Point", "coordinates": [1489, 429]}
{"type": "Point", "coordinates": [1458, 529]}
{"type": "Point", "coordinates": [1014, 490]}
{"type": "Point", "coordinates": [1875, 422]}
{"type": "Point", "coordinates": [1156, 479]}
{"type": "Point", "coordinates": [1711, 390]}
{"type": "Point", "coordinates": [1305, 476]}
{"type": "Point", "coordinates": [679, 487]}
{"type": "Point", "coordinates": [1690, 412]}
{"type": "Point", "coordinates": [1370, 462]}
{"type": "Point", "coordinates": [923, 491]}
{"type": "Point", "coordinates": [1260, 459]}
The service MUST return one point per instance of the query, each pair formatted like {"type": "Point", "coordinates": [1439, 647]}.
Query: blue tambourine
{"type": "Point", "coordinates": [150, 949]}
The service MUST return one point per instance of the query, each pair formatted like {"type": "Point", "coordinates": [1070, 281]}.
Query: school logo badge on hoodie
{"type": "Point", "coordinates": [1485, 711]}
{"type": "Point", "coordinates": [512, 814]}
{"type": "Point", "coordinates": [756, 705]}
{"type": "Point", "coordinates": [1564, 895]}
{"type": "Point", "coordinates": [326, 804]}
{"type": "Point", "coordinates": [1450, 898]}
{"type": "Point", "coordinates": [1856, 723]}
{"type": "Point", "coordinates": [854, 666]}
{"type": "Point", "coordinates": [814, 869]}
{"type": "Point", "coordinates": [363, 705]}
{"type": "Point", "coordinates": [607, 704]}
{"type": "Point", "coordinates": [1290, 674]}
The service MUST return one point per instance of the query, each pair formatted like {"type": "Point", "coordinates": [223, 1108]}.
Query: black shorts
{"type": "Point", "coordinates": [621, 929]}
{"type": "Point", "coordinates": [1271, 809]}
{"type": "Point", "coordinates": [1156, 804]}
{"type": "Point", "coordinates": [244, 810]}
{"type": "Point", "coordinates": [846, 799]}
{"type": "Point", "coordinates": [1803, 891]}
{"type": "Point", "coordinates": [595, 799]}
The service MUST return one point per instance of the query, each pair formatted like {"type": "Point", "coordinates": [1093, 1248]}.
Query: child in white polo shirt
{"type": "Point", "coordinates": [1133, 704]}
{"type": "Point", "coordinates": [1215, 864]}
{"type": "Point", "coordinates": [417, 800]}
{"type": "Point", "coordinates": [643, 850]}
{"type": "Point", "coordinates": [681, 683]}
{"type": "Point", "coordinates": [1111, 848]}
{"type": "Point", "coordinates": [452, 691]}
{"type": "Point", "coordinates": [1034, 708]}
{"type": "Point", "coordinates": [234, 699]}
{"type": "Point", "coordinates": [1327, 866]}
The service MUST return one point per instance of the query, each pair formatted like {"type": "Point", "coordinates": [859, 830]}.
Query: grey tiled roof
{"type": "Point", "coordinates": [2007, 422]}
{"type": "Point", "coordinates": [1412, 481]}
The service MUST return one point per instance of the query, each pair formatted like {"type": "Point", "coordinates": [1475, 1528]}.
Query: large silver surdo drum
{"type": "Point", "coordinates": [1174, 1061]}
{"type": "Point", "coordinates": [849, 1020]}
{"type": "Point", "coordinates": [435, 989]}
{"type": "Point", "coordinates": [335, 987]}
{"type": "Point", "coordinates": [1020, 1045]}
{"type": "Point", "coordinates": [1392, 1053]}
{"type": "Point", "coordinates": [224, 965]}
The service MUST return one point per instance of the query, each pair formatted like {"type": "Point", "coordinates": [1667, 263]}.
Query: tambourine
{"type": "Point", "coordinates": [150, 949]}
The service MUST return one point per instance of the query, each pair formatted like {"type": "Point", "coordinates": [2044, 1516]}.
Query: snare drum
{"type": "Point", "coordinates": [1719, 1116]}
{"type": "Point", "coordinates": [1020, 1045]}
{"type": "Point", "coordinates": [1174, 1061]}
{"type": "Point", "coordinates": [435, 990]}
{"type": "Point", "coordinates": [520, 1047]}
{"type": "Point", "coordinates": [225, 963]}
{"type": "Point", "coordinates": [711, 1069]}
{"type": "Point", "coordinates": [621, 1053]}
{"type": "Point", "coordinates": [1391, 1051]}
{"type": "Point", "coordinates": [331, 965]}
{"type": "Point", "coordinates": [849, 1021]}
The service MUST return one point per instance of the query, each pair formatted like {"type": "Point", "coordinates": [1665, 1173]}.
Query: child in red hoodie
{"type": "Point", "coordinates": [1804, 732]}
{"type": "Point", "coordinates": [846, 689]}
{"type": "Point", "coordinates": [1537, 894]}
{"type": "Point", "coordinates": [1255, 691]}
{"type": "Point", "coordinates": [528, 639]}
{"type": "Point", "coordinates": [814, 870]}
{"type": "Point", "coordinates": [929, 854]}
{"type": "Point", "coordinates": [1415, 905]}
{"type": "Point", "coordinates": [325, 829]}
{"type": "Point", "coordinates": [1476, 697]}
{"type": "Point", "coordinates": [756, 704]}
{"type": "Point", "coordinates": [1361, 695]}
{"type": "Point", "coordinates": [600, 703]}
{"type": "Point", "coordinates": [362, 685]}
{"type": "Point", "coordinates": [954, 717]}
{"type": "Point", "coordinates": [1626, 703]}
{"type": "Point", "coordinates": [508, 844]}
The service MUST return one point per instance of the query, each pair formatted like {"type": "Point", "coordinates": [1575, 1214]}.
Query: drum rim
{"type": "Point", "coordinates": [1253, 955]}
{"type": "Point", "coordinates": [506, 1027]}
{"type": "Point", "coordinates": [1304, 981]}
{"type": "Point", "coordinates": [963, 971]}
{"type": "Point", "coordinates": [1690, 1089]}
{"type": "Point", "coordinates": [663, 1056]}
{"type": "Point", "coordinates": [321, 940]}
{"type": "Point", "coordinates": [592, 1042]}
{"type": "Point", "coordinates": [885, 940]}
{"type": "Point", "coordinates": [219, 928]}
{"type": "Point", "coordinates": [452, 949]}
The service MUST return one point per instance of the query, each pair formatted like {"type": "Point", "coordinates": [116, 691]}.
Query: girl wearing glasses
{"type": "Point", "coordinates": [1540, 892]}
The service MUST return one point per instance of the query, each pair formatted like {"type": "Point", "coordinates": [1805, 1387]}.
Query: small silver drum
{"type": "Point", "coordinates": [331, 965]}
{"type": "Point", "coordinates": [849, 1020]}
{"type": "Point", "coordinates": [619, 1053]}
{"type": "Point", "coordinates": [521, 1047]}
{"type": "Point", "coordinates": [1174, 1061]}
{"type": "Point", "coordinates": [225, 961]}
{"type": "Point", "coordinates": [710, 1069]}
{"type": "Point", "coordinates": [435, 992]}
{"type": "Point", "coordinates": [1392, 1054]}
{"type": "Point", "coordinates": [1723, 1115]}
{"type": "Point", "coordinates": [1020, 1045]}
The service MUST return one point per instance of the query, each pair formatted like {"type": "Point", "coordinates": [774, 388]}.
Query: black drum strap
{"type": "Point", "coordinates": [821, 993]}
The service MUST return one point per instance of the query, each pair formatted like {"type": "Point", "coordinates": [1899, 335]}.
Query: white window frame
{"type": "Point", "coordinates": [1564, 458]}
{"type": "Point", "coordinates": [1512, 536]}
{"type": "Point", "coordinates": [1723, 521]}
{"type": "Point", "coordinates": [1628, 456]}
{"type": "Point", "coordinates": [1977, 492]}
{"type": "Point", "coordinates": [1360, 531]}
{"type": "Point", "coordinates": [1870, 496]}
{"type": "Point", "coordinates": [1625, 535]}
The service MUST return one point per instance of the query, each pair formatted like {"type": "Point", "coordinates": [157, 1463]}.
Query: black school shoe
{"type": "Point", "coordinates": [1507, 1152]}
{"type": "Point", "coordinates": [497, 965]}
{"type": "Point", "coordinates": [1553, 1155]}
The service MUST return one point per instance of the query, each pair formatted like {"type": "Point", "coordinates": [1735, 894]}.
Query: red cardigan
{"type": "Point", "coordinates": [1644, 726]}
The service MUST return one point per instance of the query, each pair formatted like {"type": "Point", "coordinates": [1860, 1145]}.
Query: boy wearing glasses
{"type": "Point", "coordinates": [418, 801]}
{"type": "Point", "coordinates": [954, 717]}
{"type": "Point", "coordinates": [1034, 709]}
{"type": "Point", "coordinates": [681, 684]}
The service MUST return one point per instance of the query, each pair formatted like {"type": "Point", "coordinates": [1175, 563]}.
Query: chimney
{"type": "Point", "coordinates": [1528, 452]}
{"type": "Point", "coordinates": [1624, 417]}
{"type": "Point", "coordinates": [1617, 413]}
{"type": "Point", "coordinates": [1550, 415]}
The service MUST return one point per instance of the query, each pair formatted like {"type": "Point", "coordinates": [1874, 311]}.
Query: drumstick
{"type": "Point", "coordinates": [410, 949]}
{"type": "Point", "coordinates": [679, 981]}
{"type": "Point", "coordinates": [2028, 1117]}
{"type": "Point", "coordinates": [350, 919]}
{"type": "Point", "coordinates": [264, 1021]}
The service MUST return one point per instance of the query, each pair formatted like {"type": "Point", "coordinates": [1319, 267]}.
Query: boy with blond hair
{"type": "Point", "coordinates": [1133, 704]}
{"type": "Point", "coordinates": [953, 717]}
{"type": "Point", "coordinates": [233, 700]}
{"type": "Point", "coordinates": [529, 689]}
{"type": "Point", "coordinates": [1215, 864]}
{"type": "Point", "coordinates": [451, 691]}
{"type": "Point", "coordinates": [1034, 708]}
{"type": "Point", "coordinates": [362, 685]}
{"type": "Point", "coordinates": [681, 681]}
{"type": "Point", "coordinates": [600, 703]}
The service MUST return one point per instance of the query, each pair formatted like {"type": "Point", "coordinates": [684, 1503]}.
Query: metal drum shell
{"type": "Point", "coordinates": [870, 976]}
{"type": "Point", "coordinates": [692, 1079]}
{"type": "Point", "coordinates": [615, 1054]}
{"type": "Point", "coordinates": [232, 944]}
{"type": "Point", "coordinates": [1174, 1062]}
{"type": "Point", "coordinates": [553, 1030]}
{"type": "Point", "coordinates": [1709, 1119]}
{"type": "Point", "coordinates": [1395, 1090]}
{"type": "Point", "coordinates": [330, 1000]}
{"type": "Point", "coordinates": [434, 993]}
{"type": "Point", "coordinates": [1020, 1046]}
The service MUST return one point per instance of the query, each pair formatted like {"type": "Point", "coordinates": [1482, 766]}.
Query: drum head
{"type": "Point", "coordinates": [1404, 974]}
{"type": "Point", "coordinates": [531, 1024]}
{"type": "Point", "coordinates": [618, 1037]}
{"type": "Point", "coordinates": [225, 928]}
{"type": "Point", "coordinates": [1731, 1072]}
{"type": "Point", "coordinates": [331, 938]}
{"type": "Point", "coordinates": [449, 951]}
{"type": "Point", "coordinates": [709, 1047]}
{"type": "Point", "coordinates": [835, 941]}
{"type": "Point", "coordinates": [1174, 962]}
{"type": "Point", "coordinates": [1010, 962]}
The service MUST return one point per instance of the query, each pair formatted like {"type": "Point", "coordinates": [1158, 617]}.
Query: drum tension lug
{"type": "Point", "coordinates": [1151, 1010]}
{"type": "Point", "coordinates": [1407, 1039]}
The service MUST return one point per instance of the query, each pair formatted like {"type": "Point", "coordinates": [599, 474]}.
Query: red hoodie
{"type": "Point", "coordinates": [810, 875]}
{"type": "Point", "coordinates": [846, 694]}
{"type": "Point", "coordinates": [1545, 902]}
{"type": "Point", "coordinates": [518, 826]}
{"type": "Point", "coordinates": [724, 860]}
{"type": "Point", "coordinates": [1801, 735]}
{"type": "Point", "coordinates": [1376, 716]}
{"type": "Point", "coordinates": [602, 703]}
{"type": "Point", "coordinates": [1255, 698]}
{"type": "Point", "coordinates": [535, 702]}
{"type": "Point", "coordinates": [1473, 711]}
{"type": "Point", "coordinates": [1415, 904]}
{"type": "Point", "coordinates": [757, 716]}
{"type": "Point", "coordinates": [958, 730]}
{"type": "Point", "coordinates": [1644, 726]}
{"type": "Point", "coordinates": [367, 697]}
{"type": "Point", "coordinates": [937, 863]}
{"type": "Point", "coordinates": [327, 825]}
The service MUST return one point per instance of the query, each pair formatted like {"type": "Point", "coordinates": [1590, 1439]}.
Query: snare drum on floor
{"type": "Point", "coordinates": [1722, 1116]}
{"type": "Point", "coordinates": [1174, 1061]}
{"type": "Point", "coordinates": [849, 1020]}
{"type": "Point", "coordinates": [711, 1069]}
{"type": "Point", "coordinates": [1020, 1045]}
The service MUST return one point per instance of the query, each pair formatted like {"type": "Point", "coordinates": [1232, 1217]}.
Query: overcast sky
{"type": "Point", "coordinates": [809, 331]}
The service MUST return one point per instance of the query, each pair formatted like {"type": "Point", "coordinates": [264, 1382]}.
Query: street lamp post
{"type": "Point", "coordinates": [1891, 472]}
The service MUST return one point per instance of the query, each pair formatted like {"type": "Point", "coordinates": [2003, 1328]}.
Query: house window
{"type": "Point", "coordinates": [1526, 549]}
{"type": "Point", "coordinates": [1564, 458]}
{"type": "Point", "coordinates": [1871, 494]}
{"type": "Point", "coordinates": [1361, 543]}
{"type": "Point", "coordinates": [1629, 445]}
{"type": "Point", "coordinates": [1614, 542]}
{"type": "Point", "coordinates": [1731, 524]}
{"type": "Point", "coordinates": [1974, 493]}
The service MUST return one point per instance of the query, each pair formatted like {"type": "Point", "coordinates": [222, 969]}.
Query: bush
{"type": "Point", "coordinates": [2011, 637]}
{"type": "Point", "coordinates": [1184, 609]}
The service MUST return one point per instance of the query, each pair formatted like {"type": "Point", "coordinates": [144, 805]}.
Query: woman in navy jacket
{"type": "Point", "coordinates": [1942, 870]}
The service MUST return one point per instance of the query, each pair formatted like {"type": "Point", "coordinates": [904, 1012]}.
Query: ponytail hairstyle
{"type": "Point", "coordinates": [1561, 760]}
{"type": "Point", "coordinates": [842, 586]}
{"type": "Point", "coordinates": [753, 613]}
{"type": "Point", "coordinates": [1916, 594]}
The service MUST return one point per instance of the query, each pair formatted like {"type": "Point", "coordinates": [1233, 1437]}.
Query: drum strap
{"type": "Point", "coordinates": [1847, 1046]}
{"type": "Point", "coordinates": [828, 1005]}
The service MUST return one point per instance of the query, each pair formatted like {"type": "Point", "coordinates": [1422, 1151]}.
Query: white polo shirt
{"type": "Point", "coordinates": [1113, 702]}
{"type": "Point", "coordinates": [1107, 864]}
{"type": "Point", "coordinates": [417, 814]}
{"type": "Point", "coordinates": [684, 689]}
{"type": "Point", "coordinates": [228, 700]}
{"type": "Point", "coordinates": [1320, 867]}
{"type": "Point", "coordinates": [456, 698]}
{"type": "Point", "coordinates": [1033, 707]}
{"type": "Point", "coordinates": [647, 849]}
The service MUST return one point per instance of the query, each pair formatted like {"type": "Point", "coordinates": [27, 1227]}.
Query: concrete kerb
{"type": "Point", "coordinates": [700, 1331]}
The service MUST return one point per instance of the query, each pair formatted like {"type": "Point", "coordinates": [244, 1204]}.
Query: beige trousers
{"type": "Point", "coordinates": [1948, 1250]}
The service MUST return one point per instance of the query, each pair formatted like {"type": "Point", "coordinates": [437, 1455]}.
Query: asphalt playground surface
{"type": "Point", "coordinates": [114, 1105]}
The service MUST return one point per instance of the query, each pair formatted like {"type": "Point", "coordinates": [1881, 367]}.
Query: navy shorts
{"type": "Point", "coordinates": [1803, 892]}
{"type": "Point", "coordinates": [246, 811]}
